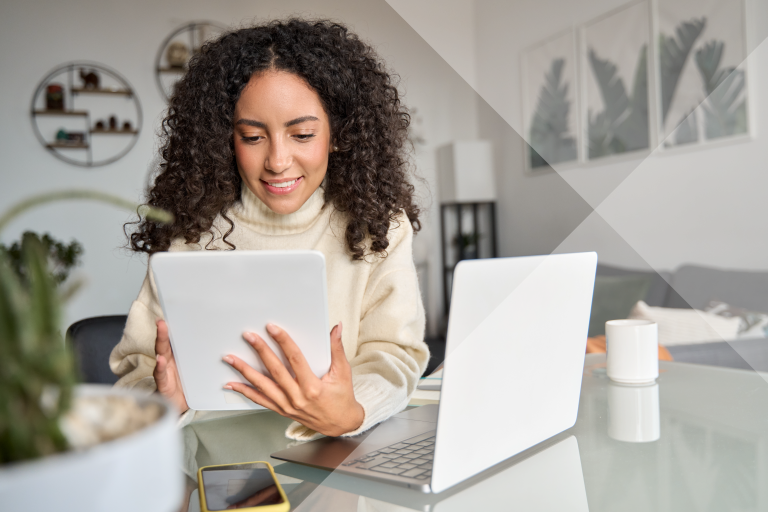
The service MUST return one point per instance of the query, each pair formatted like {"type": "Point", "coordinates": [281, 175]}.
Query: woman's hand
{"type": "Point", "coordinates": [166, 375]}
{"type": "Point", "coordinates": [325, 405]}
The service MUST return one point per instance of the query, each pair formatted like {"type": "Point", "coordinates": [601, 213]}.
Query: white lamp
{"type": "Point", "coordinates": [465, 172]}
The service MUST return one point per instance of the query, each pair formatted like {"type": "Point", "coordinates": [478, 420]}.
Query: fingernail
{"type": "Point", "coordinates": [228, 359]}
{"type": "Point", "coordinates": [341, 327]}
{"type": "Point", "coordinates": [273, 329]}
{"type": "Point", "coordinates": [249, 337]}
{"type": "Point", "coordinates": [227, 386]}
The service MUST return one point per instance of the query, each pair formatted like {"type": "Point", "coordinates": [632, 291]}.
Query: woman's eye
{"type": "Point", "coordinates": [251, 139]}
{"type": "Point", "coordinates": [304, 136]}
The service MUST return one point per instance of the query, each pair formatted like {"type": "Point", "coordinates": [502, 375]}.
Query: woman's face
{"type": "Point", "coordinates": [282, 140]}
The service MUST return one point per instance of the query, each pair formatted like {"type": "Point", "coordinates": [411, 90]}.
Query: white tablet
{"type": "Point", "coordinates": [210, 298]}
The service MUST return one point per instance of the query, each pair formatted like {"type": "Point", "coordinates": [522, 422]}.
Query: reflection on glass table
{"type": "Point", "coordinates": [633, 412]}
{"type": "Point", "coordinates": [696, 440]}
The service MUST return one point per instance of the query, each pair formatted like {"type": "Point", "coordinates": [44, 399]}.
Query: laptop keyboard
{"type": "Point", "coordinates": [411, 458]}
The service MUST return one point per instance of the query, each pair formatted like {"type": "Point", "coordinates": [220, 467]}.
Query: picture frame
{"type": "Point", "coordinates": [649, 75]}
{"type": "Point", "coordinates": [617, 82]}
{"type": "Point", "coordinates": [551, 105]}
{"type": "Point", "coordinates": [701, 69]}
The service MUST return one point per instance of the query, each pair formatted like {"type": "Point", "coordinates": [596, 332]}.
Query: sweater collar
{"type": "Point", "coordinates": [258, 216]}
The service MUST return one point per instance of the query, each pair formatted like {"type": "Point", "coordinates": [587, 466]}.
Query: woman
{"type": "Point", "coordinates": [291, 135]}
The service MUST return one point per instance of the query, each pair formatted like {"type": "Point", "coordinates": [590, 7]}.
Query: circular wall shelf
{"type": "Point", "coordinates": [86, 114]}
{"type": "Point", "coordinates": [178, 48]}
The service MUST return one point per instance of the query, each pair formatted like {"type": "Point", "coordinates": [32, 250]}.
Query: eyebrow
{"type": "Point", "coordinates": [251, 122]}
{"type": "Point", "coordinates": [259, 124]}
{"type": "Point", "coordinates": [301, 120]}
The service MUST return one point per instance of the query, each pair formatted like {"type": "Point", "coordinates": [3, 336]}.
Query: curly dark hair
{"type": "Point", "coordinates": [367, 178]}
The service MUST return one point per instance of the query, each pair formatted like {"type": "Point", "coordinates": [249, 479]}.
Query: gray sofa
{"type": "Point", "coordinates": [692, 286]}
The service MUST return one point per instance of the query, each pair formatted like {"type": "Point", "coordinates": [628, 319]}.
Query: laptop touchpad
{"type": "Point", "coordinates": [424, 413]}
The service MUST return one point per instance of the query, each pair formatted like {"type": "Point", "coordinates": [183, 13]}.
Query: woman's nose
{"type": "Point", "coordinates": [279, 158]}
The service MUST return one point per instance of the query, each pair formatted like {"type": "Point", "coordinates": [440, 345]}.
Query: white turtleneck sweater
{"type": "Point", "coordinates": [377, 300]}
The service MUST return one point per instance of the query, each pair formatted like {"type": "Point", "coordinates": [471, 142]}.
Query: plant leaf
{"type": "Point", "coordinates": [673, 53]}
{"type": "Point", "coordinates": [633, 130]}
{"type": "Point", "coordinates": [725, 112]}
{"type": "Point", "coordinates": [44, 303]}
{"type": "Point", "coordinates": [612, 88]}
{"type": "Point", "coordinates": [549, 136]}
{"type": "Point", "coordinates": [708, 60]}
{"type": "Point", "coordinates": [687, 130]}
{"type": "Point", "coordinates": [623, 125]}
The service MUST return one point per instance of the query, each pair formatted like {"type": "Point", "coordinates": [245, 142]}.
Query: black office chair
{"type": "Point", "coordinates": [93, 340]}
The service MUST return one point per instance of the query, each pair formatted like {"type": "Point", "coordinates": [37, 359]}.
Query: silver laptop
{"type": "Point", "coordinates": [512, 378]}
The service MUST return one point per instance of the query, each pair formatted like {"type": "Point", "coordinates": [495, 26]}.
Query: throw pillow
{"type": "Point", "coordinates": [687, 326]}
{"type": "Point", "coordinates": [613, 299]}
{"type": "Point", "coordinates": [753, 324]}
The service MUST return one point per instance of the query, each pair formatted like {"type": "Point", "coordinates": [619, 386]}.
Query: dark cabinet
{"type": "Point", "coordinates": [468, 231]}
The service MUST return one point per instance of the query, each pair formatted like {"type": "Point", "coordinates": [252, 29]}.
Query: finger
{"type": "Point", "coordinates": [163, 341]}
{"type": "Point", "coordinates": [264, 385]}
{"type": "Point", "coordinates": [161, 373]}
{"type": "Point", "coordinates": [255, 396]}
{"type": "Point", "coordinates": [339, 363]}
{"type": "Point", "coordinates": [296, 359]}
{"type": "Point", "coordinates": [172, 374]}
{"type": "Point", "coordinates": [272, 363]}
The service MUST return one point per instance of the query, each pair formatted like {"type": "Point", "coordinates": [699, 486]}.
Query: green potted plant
{"type": "Point", "coordinates": [65, 445]}
{"type": "Point", "coordinates": [467, 243]}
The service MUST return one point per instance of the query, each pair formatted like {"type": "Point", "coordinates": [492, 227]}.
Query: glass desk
{"type": "Point", "coordinates": [696, 440]}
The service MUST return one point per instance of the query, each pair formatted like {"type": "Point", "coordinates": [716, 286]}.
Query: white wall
{"type": "Point", "coordinates": [661, 210]}
{"type": "Point", "coordinates": [449, 27]}
{"type": "Point", "coordinates": [37, 36]}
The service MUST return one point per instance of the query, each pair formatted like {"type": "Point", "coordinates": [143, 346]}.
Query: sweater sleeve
{"type": "Point", "coordinates": [391, 354]}
{"type": "Point", "coordinates": [133, 359]}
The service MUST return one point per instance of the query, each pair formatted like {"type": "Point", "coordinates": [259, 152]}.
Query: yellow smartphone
{"type": "Point", "coordinates": [242, 486]}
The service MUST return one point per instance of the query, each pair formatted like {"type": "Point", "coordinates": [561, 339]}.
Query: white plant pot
{"type": "Point", "coordinates": [140, 472]}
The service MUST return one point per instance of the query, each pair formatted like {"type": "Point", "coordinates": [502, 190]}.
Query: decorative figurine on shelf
{"type": "Point", "coordinates": [127, 126]}
{"type": "Point", "coordinates": [76, 138]}
{"type": "Point", "coordinates": [113, 123]}
{"type": "Point", "coordinates": [54, 97]}
{"type": "Point", "coordinates": [177, 55]}
{"type": "Point", "coordinates": [90, 79]}
{"type": "Point", "coordinates": [65, 138]}
{"type": "Point", "coordinates": [100, 125]}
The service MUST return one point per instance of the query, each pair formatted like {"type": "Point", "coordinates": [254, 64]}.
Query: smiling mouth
{"type": "Point", "coordinates": [282, 187]}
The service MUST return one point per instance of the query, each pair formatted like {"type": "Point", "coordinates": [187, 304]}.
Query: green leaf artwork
{"type": "Point", "coordinates": [723, 107]}
{"type": "Point", "coordinates": [623, 124]}
{"type": "Point", "coordinates": [550, 141]}
{"type": "Point", "coordinates": [725, 111]}
{"type": "Point", "coordinates": [687, 131]}
{"type": "Point", "coordinates": [673, 54]}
